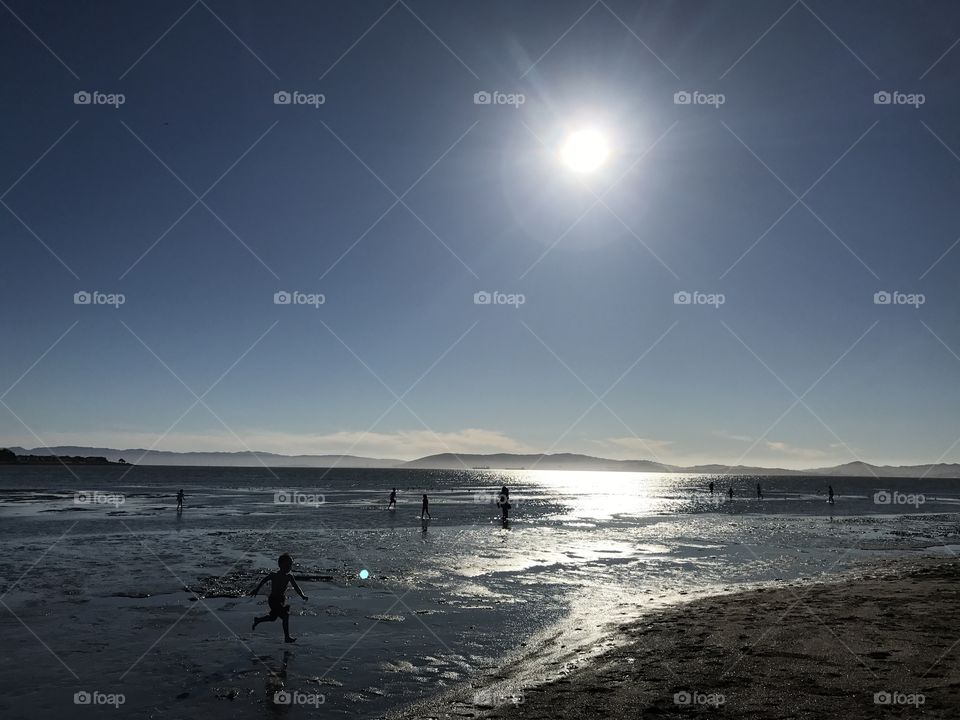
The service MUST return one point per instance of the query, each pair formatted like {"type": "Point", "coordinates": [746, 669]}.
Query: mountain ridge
{"type": "Point", "coordinates": [495, 461]}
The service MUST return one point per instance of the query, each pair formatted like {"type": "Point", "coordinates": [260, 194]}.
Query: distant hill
{"type": "Point", "coordinates": [720, 469]}
{"type": "Point", "coordinates": [862, 469]}
{"type": "Point", "coordinates": [568, 461]}
{"type": "Point", "coordinates": [140, 456]}
{"type": "Point", "coordinates": [511, 461]}
{"type": "Point", "coordinates": [571, 461]}
{"type": "Point", "coordinates": [495, 461]}
{"type": "Point", "coordinates": [9, 457]}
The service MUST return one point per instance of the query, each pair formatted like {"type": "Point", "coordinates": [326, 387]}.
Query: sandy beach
{"type": "Point", "coordinates": [883, 645]}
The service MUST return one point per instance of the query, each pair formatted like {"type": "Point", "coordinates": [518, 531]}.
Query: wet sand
{"type": "Point", "coordinates": [884, 645]}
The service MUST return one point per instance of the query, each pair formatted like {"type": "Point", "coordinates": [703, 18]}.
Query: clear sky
{"type": "Point", "coordinates": [783, 188]}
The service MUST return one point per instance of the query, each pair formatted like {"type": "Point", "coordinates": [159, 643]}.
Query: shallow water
{"type": "Point", "coordinates": [122, 595]}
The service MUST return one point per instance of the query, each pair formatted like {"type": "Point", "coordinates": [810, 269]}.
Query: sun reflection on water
{"type": "Point", "coordinates": [595, 495]}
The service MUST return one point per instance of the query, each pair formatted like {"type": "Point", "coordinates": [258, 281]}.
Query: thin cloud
{"type": "Point", "coordinates": [730, 436]}
{"type": "Point", "coordinates": [633, 448]}
{"type": "Point", "coordinates": [795, 451]}
{"type": "Point", "coordinates": [402, 445]}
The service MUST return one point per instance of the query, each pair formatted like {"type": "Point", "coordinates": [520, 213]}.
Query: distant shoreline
{"type": "Point", "coordinates": [472, 461]}
{"type": "Point", "coordinates": [8, 461]}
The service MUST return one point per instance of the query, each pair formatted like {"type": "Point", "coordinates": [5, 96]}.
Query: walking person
{"type": "Point", "coordinates": [425, 507]}
{"type": "Point", "coordinates": [503, 502]}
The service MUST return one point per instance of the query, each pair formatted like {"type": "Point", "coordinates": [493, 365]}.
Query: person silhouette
{"type": "Point", "coordinates": [711, 487]}
{"type": "Point", "coordinates": [503, 502]}
{"type": "Point", "coordinates": [730, 492]}
{"type": "Point", "coordinates": [425, 507]}
{"type": "Point", "coordinates": [830, 494]}
{"type": "Point", "coordinates": [277, 600]}
{"type": "Point", "coordinates": [393, 499]}
{"type": "Point", "coordinates": [759, 492]}
{"type": "Point", "coordinates": [180, 497]}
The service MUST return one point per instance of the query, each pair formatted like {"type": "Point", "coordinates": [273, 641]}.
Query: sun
{"type": "Point", "coordinates": [584, 151]}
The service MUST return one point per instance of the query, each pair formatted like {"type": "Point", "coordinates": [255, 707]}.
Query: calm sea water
{"type": "Point", "coordinates": [110, 590]}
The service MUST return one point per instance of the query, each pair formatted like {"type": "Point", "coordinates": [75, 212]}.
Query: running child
{"type": "Point", "coordinates": [277, 600]}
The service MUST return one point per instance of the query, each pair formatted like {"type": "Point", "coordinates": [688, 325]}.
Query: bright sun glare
{"type": "Point", "coordinates": [585, 150]}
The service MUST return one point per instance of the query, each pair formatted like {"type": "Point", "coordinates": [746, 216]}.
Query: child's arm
{"type": "Point", "coordinates": [262, 582]}
{"type": "Point", "coordinates": [297, 587]}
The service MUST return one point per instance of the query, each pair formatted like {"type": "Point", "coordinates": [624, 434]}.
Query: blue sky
{"type": "Point", "coordinates": [399, 360]}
